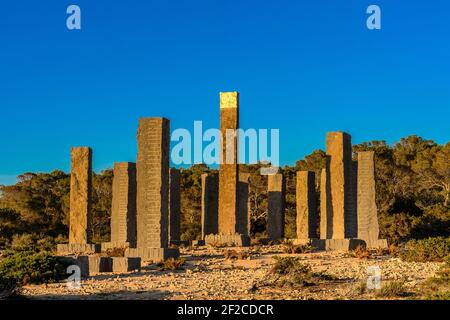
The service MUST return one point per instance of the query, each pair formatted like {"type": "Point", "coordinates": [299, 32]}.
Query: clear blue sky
{"type": "Point", "coordinates": [305, 67]}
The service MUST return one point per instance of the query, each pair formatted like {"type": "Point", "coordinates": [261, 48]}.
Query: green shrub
{"type": "Point", "coordinates": [431, 249]}
{"type": "Point", "coordinates": [438, 286]}
{"type": "Point", "coordinates": [29, 267]}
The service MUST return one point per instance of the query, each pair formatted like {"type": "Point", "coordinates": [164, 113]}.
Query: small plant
{"type": "Point", "coordinates": [287, 265]}
{"type": "Point", "coordinates": [361, 288]}
{"type": "Point", "coordinates": [431, 249]}
{"type": "Point", "coordinates": [361, 252]}
{"type": "Point", "coordinates": [172, 264]}
{"type": "Point", "coordinates": [392, 289]}
{"type": "Point", "coordinates": [235, 255]}
{"type": "Point", "coordinates": [393, 250]}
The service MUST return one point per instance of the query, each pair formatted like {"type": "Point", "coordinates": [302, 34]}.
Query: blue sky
{"type": "Point", "coordinates": [304, 67]}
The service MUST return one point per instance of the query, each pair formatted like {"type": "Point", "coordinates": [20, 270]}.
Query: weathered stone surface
{"type": "Point", "coordinates": [152, 254]}
{"type": "Point", "coordinates": [125, 264]}
{"type": "Point", "coordinates": [244, 189]}
{"type": "Point", "coordinates": [368, 228]}
{"type": "Point", "coordinates": [210, 204]}
{"type": "Point", "coordinates": [153, 183]}
{"type": "Point", "coordinates": [77, 248]}
{"type": "Point", "coordinates": [306, 205]}
{"type": "Point", "coordinates": [332, 244]}
{"type": "Point", "coordinates": [276, 193]}
{"type": "Point", "coordinates": [229, 170]}
{"type": "Point", "coordinates": [342, 206]}
{"type": "Point", "coordinates": [91, 265]}
{"type": "Point", "coordinates": [325, 218]}
{"type": "Point", "coordinates": [123, 214]}
{"type": "Point", "coordinates": [80, 195]}
{"type": "Point", "coordinates": [174, 205]}
{"type": "Point", "coordinates": [238, 240]}
{"type": "Point", "coordinates": [115, 245]}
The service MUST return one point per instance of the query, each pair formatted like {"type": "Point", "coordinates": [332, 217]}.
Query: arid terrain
{"type": "Point", "coordinates": [206, 274]}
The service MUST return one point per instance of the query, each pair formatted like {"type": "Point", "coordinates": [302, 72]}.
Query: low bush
{"type": "Point", "coordinates": [360, 252]}
{"type": "Point", "coordinates": [172, 264]}
{"type": "Point", "coordinates": [29, 267]}
{"type": "Point", "coordinates": [291, 271]}
{"type": "Point", "coordinates": [235, 255]}
{"type": "Point", "coordinates": [431, 249]}
{"type": "Point", "coordinates": [289, 247]}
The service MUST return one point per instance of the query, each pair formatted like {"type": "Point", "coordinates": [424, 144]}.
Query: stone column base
{"type": "Point", "coordinates": [232, 240]}
{"type": "Point", "coordinates": [123, 265]}
{"type": "Point", "coordinates": [377, 244]}
{"type": "Point", "coordinates": [77, 248]}
{"type": "Point", "coordinates": [90, 265]}
{"type": "Point", "coordinates": [332, 244]}
{"type": "Point", "coordinates": [113, 245]}
{"type": "Point", "coordinates": [152, 254]}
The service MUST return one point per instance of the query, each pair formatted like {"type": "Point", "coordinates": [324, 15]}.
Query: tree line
{"type": "Point", "coordinates": [412, 183]}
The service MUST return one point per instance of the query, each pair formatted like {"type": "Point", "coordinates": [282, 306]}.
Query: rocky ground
{"type": "Point", "coordinates": [208, 275]}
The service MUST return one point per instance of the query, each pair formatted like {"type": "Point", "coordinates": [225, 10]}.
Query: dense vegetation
{"type": "Point", "coordinates": [413, 197]}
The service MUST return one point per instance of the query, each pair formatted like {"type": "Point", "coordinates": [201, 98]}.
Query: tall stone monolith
{"type": "Point", "coordinates": [123, 210]}
{"type": "Point", "coordinates": [307, 218]}
{"type": "Point", "coordinates": [174, 206]}
{"type": "Point", "coordinates": [153, 191]}
{"type": "Point", "coordinates": [368, 228]}
{"type": "Point", "coordinates": [325, 217]}
{"type": "Point", "coordinates": [210, 204]}
{"type": "Point", "coordinates": [244, 191]}
{"type": "Point", "coordinates": [80, 219]}
{"type": "Point", "coordinates": [276, 194]}
{"type": "Point", "coordinates": [230, 221]}
{"type": "Point", "coordinates": [342, 206]}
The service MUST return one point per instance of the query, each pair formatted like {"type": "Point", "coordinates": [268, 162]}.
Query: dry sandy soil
{"type": "Point", "coordinates": [208, 275]}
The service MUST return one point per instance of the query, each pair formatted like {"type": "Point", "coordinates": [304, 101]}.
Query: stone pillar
{"type": "Point", "coordinates": [210, 204]}
{"type": "Point", "coordinates": [174, 205]}
{"type": "Point", "coordinates": [229, 169]}
{"type": "Point", "coordinates": [153, 191]}
{"type": "Point", "coordinates": [339, 166]}
{"type": "Point", "coordinates": [243, 227]}
{"type": "Point", "coordinates": [80, 196]}
{"type": "Point", "coordinates": [306, 205]}
{"type": "Point", "coordinates": [368, 229]}
{"type": "Point", "coordinates": [123, 213]}
{"type": "Point", "coordinates": [276, 193]}
{"type": "Point", "coordinates": [230, 222]}
{"type": "Point", "coordinates": [80, 204]}
{"type": "Point", "coordinates": [325, 219]}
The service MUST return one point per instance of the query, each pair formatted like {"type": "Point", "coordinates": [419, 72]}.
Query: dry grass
{"type": "Point", "coordinates": [360, 252]}
{"type": "Point", "coordinates": [171, 264]}
{"type": "Point", "coordinates": [392, 289]}
{"type": "Point", "coordinates": [289, 247]}
{"type": "Point", "coordinates": [235, 255]}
